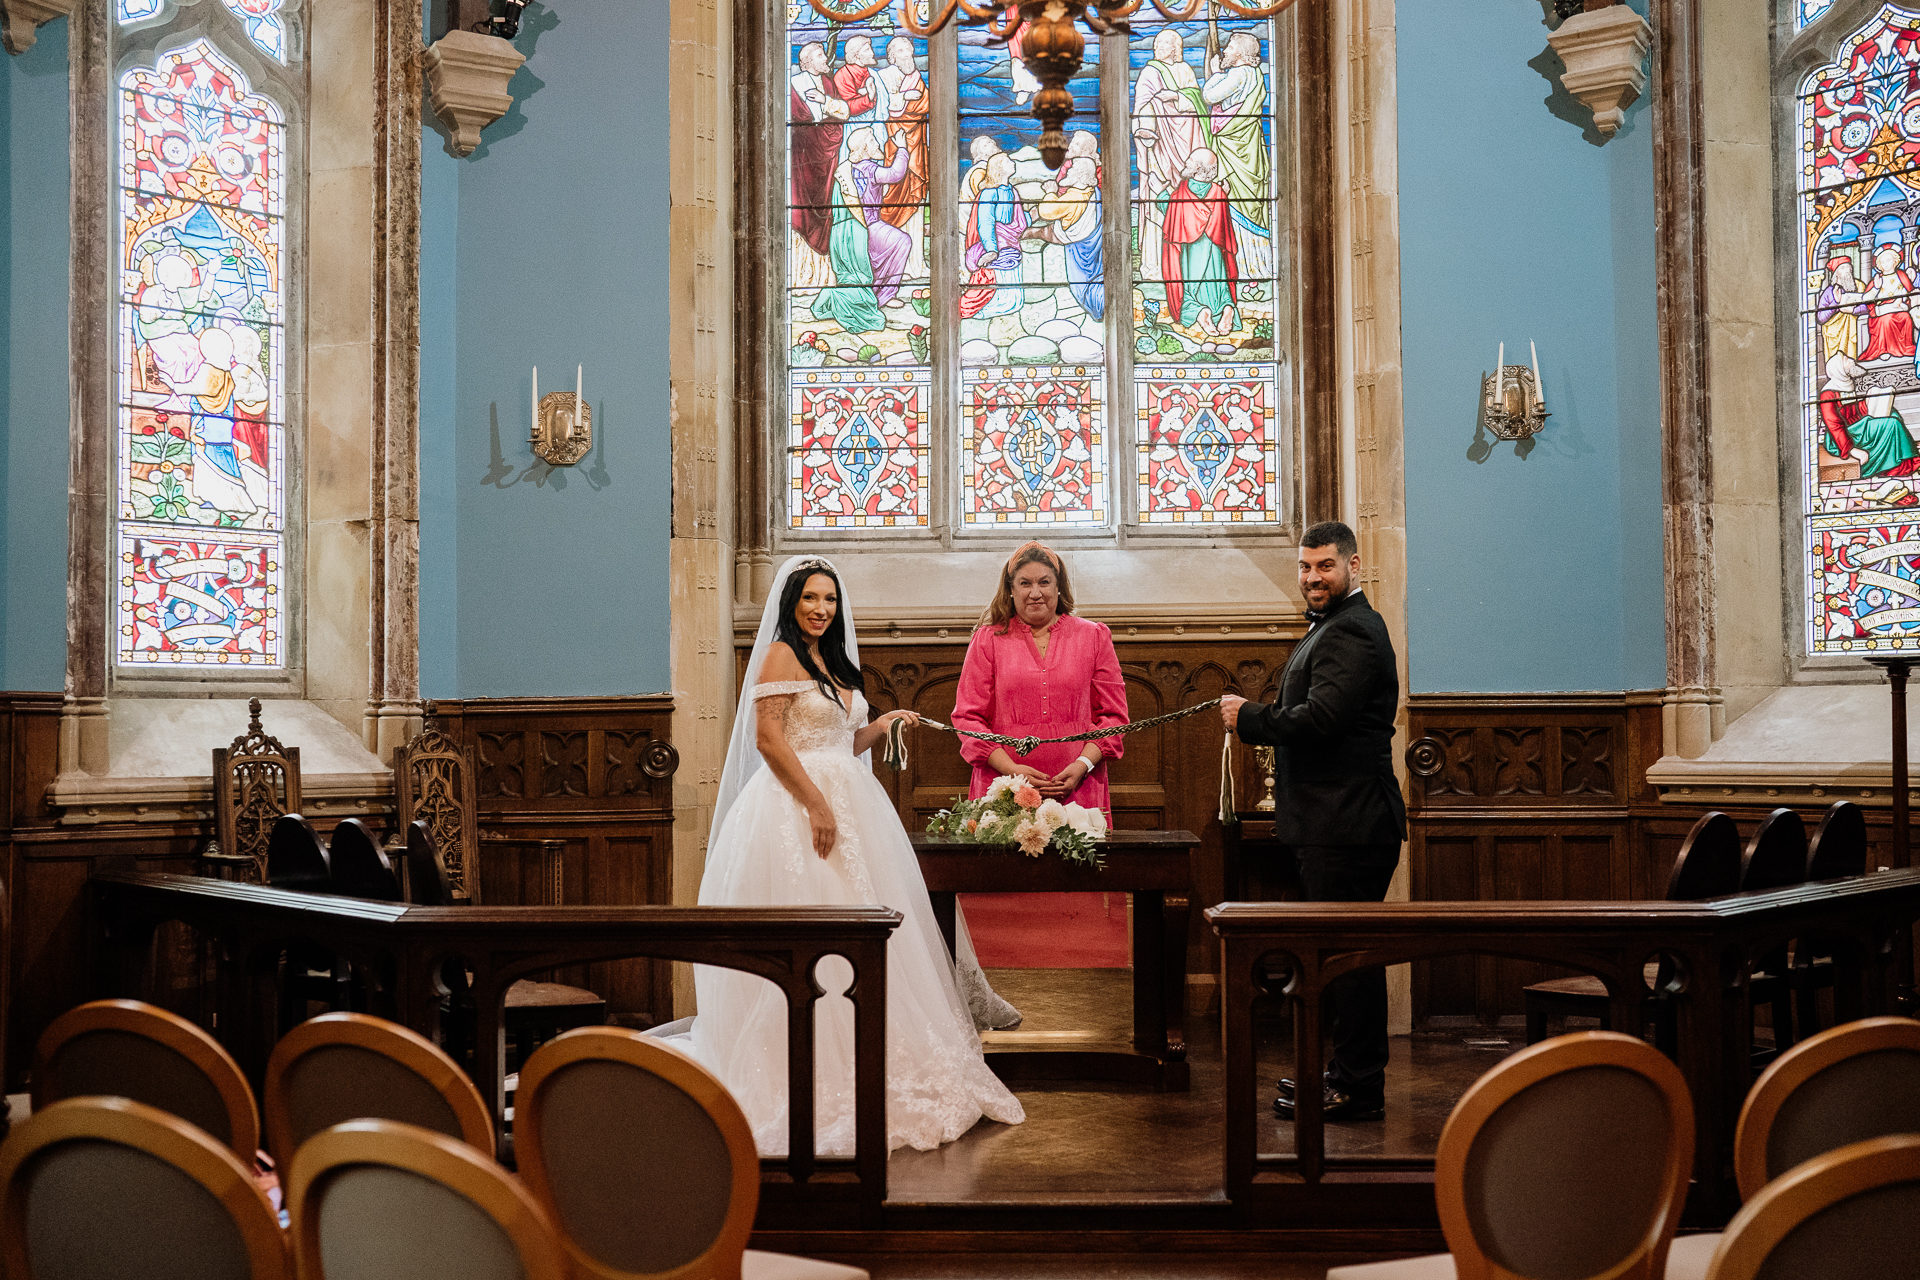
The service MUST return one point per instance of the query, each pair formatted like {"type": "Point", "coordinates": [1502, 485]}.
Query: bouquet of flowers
{"type": "Point", "coordinates": [1013, 812]}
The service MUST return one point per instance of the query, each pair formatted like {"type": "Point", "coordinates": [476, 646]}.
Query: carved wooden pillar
{"type": "Point", "coordinates": [1687, 462]}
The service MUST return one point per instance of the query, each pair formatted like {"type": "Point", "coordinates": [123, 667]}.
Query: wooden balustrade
{"type": "Point", "coordinates": [397, 951]}
{"type": "Point", "coordinates": [1712, 944]}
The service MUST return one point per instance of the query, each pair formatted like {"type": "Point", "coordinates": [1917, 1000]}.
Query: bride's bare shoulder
{"type": "Point", "coordinates": [781, 666]}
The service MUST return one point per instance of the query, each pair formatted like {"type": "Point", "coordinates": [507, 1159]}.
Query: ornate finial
{"type": "Point", "coordinates": [253, 716]}
{"type": "Point", "coordinates": [430, 715]}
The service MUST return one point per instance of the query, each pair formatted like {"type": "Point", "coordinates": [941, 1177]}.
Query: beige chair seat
{"type": "Point", "coordinates": [1687, 1259]}
{"type": "Point", "coordinates": [755, 1265]}
{"type": "Point", "coordinates": [1434, 1266]}
{"type": "Point", "coordinates": [526, 994]}
{"type": "Point", "coordinates": [1689, 1256]}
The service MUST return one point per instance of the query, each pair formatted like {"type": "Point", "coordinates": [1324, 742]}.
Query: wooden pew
{"type": "Point", "coordinates": [1714, 944]}
{"type": "Point", "coordinates": [397, 951]}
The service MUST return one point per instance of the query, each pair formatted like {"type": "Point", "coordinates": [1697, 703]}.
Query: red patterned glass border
{"type": "Point", "coordinates": [858, 457]}
{"type": "Point", "coordinates": [194, 601]}
{"type": "Point", "coordinates": [1034, 446]}
{"type": "Point", "coordinates": [1207, 444]}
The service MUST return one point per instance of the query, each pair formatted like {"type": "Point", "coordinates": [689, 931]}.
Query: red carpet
{"type": "Point", "coordinates": [1047, 930]}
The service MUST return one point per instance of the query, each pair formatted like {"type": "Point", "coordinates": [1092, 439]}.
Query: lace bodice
{"type": "Point", "coordinates": [814, 721]}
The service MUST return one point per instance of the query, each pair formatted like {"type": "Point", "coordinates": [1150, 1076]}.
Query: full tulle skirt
{"type": "Point", "coordinates": [938, 1085]}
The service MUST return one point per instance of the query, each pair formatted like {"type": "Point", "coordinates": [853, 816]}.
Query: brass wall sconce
{"type": "Point", "coordinates": [1512, 404]}
{"type": "Point", "coordinates": [562, 430]}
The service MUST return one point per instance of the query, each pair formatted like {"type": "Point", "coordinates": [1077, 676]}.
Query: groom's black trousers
{"type": "Point", "coordinates": [1355, 1005]}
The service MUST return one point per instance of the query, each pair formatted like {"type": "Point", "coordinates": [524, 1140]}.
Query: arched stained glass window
{"type": "Point", "coordinates": [1805, 11]}
{"type": "Point", "coordinates": [1006, 345]}
{"type": "Point", "coordinates": [201, 463]}
{"type": "Point", "coordinates": [1859, 203]}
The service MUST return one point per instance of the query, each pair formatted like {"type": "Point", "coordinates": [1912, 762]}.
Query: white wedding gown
{"type": "Point", "coordinates": [938, 1084]}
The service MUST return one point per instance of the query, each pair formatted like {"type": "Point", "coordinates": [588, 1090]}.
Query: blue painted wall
{"type": "Point", "coordinates": [1543, 572]}
{"type": "Point", "coordinates": [548, 246]}
{"type": "Point", "coordinates": [35, 187]}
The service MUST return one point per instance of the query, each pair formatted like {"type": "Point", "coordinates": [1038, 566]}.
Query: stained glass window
{"type": "Point", "coordinates": [1031, 298]}
{"type": "Point", "coordinates": [202, 367]}
{"type": "Point", "coordinates": [1806, 11]}
{"type": "Point", "coordinates": [1066, 333]}
{"type": "Point", "coordinates": [261, 18]}
{"type": "Point", "coordinates": [264, 24]}
{"type": "Point", "coordinates": [859, 287]}
{"type": "Point", "coordinates": [1204, 271]}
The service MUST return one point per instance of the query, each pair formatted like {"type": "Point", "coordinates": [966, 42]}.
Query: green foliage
{"type": "Point", "coordinates": [1170, 345]}
{"type": "Point", "coordinates": [157, 449]}
{"type": "Point", "coordinates": [170, 503]}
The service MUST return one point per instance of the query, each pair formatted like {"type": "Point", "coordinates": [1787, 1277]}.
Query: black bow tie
{"type": "Point", "coordinates": [1315, 617]}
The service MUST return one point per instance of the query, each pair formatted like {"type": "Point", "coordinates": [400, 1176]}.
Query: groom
{"type": "Point", "coordinates": [1338, 806]}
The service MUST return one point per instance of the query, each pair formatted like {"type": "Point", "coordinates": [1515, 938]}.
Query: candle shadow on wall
{"type": "Point", "coordinates": [597, 476]}
{"type": "Point", "coordinates": [501, 474]}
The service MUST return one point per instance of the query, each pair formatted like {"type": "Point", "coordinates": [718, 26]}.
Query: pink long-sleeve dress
{"type": "Point", "coordinates": [1006, 687]}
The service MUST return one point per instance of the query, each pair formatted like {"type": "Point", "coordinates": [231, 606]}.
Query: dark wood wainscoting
{"type": "Point", "coordinates": [1543, 796]}
{"type": "Point", "coordinates": [595, 774]}
{"type": "Point", "coordinates": [1168, 779]}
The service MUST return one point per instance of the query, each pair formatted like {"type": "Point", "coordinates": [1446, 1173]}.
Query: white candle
{"type": "Point", "coordinates": [1500, 376]}
{"type": "Point", "coordinates": [535, 429]}
{"type": "Point", "coordinates": [1539, 387]}
{"type": "Point", "coordinates": [579, 405]}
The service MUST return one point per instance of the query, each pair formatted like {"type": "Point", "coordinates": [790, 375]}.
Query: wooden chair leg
{"type": "Point", "coordinates": [1536, 1022]}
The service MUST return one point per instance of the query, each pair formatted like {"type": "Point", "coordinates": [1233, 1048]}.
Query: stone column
{"type": "Point", "coordinates": [701, 553]}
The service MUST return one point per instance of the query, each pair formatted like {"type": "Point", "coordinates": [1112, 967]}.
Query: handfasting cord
{"type": "Point", "coordinates": [895, 750]}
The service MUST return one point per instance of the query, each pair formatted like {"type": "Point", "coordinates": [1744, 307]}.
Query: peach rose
{"type": "Point", "coordinates": [1026, 797]}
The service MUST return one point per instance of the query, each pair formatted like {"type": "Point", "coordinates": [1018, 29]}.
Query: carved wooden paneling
{"type": "Point", "coordinates": [1516, 762]}
{"type": "Point", "coordinates": [563, 764]}
{"type": "Point", "coordinates": [502, 760]}
{"type": "Point", "coordinates": [595, 774]}
{"type": "Point", "coordinates": [1586, 761]}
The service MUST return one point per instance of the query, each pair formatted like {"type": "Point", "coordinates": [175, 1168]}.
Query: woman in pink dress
{"type": "Point", "coordinates": [1034, 669]}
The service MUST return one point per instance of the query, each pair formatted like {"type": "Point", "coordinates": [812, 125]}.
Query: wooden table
{"type": "Point", "coordinates": [1156, 867]}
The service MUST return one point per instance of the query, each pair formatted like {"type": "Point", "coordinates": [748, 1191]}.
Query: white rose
{"type": "Point", "coordinates": [1051, 815]}
{"type": "Point", "coordinates": [1087, 821]}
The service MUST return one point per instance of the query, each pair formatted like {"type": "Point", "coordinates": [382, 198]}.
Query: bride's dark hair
{"type": "Point", "coordinates": [840, 670]}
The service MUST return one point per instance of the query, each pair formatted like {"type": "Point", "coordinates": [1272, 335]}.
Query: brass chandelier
{"type": "Point", "coordinates": [1051, 45]}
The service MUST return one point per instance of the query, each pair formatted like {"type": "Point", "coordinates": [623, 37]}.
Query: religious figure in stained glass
{"type": "Point", "coordinates": [202, 364]}
{"type": "Point", "coordinates": [1859, 129]}
{"type": "Point", "coordinates": [907, 133]}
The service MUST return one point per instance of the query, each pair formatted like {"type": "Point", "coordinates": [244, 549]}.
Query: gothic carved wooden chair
{"type": "Point", "coordinates": [434, 787]}
{"type": "Point", "coordinates": [255, 781]}
{"type": "Point", "coordinates": [433, 784]}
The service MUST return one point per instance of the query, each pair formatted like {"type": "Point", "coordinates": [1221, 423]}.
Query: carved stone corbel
{"type": "Point", "coordinates": [467, 75]}
{"type": "Point", "coordinates": [1605, 50]}
{"type": "Point", "coordinates": [20, 18]}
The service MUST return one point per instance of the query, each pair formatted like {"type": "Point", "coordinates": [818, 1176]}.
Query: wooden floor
{"type": "Point", "coordinates": [1093, 1143]}
{"type": "Point", "coordinates": [1158, 1156]}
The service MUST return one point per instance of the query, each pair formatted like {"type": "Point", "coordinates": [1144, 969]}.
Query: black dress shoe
{"type": "Point", "coordinates": [1335, 1105]}
{"type": "Point", "coordinates": [1287, 1087]}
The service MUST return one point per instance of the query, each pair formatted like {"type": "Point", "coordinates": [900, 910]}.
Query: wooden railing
{"type": "Point", "coordinates": [397, 952]}
{"type": "Point", "coordinates": [1712, 944]}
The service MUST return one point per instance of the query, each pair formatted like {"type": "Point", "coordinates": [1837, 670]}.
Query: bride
{"type": "Point", "coordinates": [814, 827]}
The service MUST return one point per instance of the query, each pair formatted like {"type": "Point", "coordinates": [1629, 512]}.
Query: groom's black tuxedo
{"type": "Point", "coordinates": [1332, 733]}
{"type": "Point", "coordinates": [1338, 809]}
